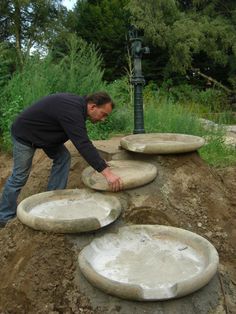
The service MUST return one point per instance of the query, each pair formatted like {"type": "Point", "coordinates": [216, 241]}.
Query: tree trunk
{"type": "Point", "coordinates": [18, 32]}
{"type": "Point", "coordinates": [229, 91]}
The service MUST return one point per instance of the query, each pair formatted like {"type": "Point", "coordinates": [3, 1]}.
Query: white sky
{"type": "Point", "coordinates": [69, 3]}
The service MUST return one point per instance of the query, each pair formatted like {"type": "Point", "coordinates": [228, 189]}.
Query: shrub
{"type": "Point", "coordinates": [199, 101]}
{"type": "Point", "coordinates": [173, 118]}
{"type": "Point", "coordinates": [118, 122]}
{"type": "Point", "coordinates": [78, 72]}
{"type": "Point", "coordinates": [121, 92]}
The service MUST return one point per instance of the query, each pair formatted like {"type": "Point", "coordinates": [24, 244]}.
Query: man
{"type": "Point", "coordinates": [48, 124]}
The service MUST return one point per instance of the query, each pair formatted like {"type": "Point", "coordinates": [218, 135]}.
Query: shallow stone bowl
{"type": "Point", "coordinates": [149, 262]}
{"type": "Point", "coordinates": [162, 143]}
{"type": "Point", "coordinates": [68, 211]}
{"type": "Point", "coordinates": [133, 174]}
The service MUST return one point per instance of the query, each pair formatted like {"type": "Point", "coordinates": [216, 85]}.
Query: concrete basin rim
{"type": "Point", "coordinates": [89, 171]}
{"type": "Point", "coordinates": [134, 291]}
{"type": "Point", "coordinates": [181, 135]}
{"type": "Point", "coordinates": [137, 292]}
{"type": "Point", "coordinates": [170, 147]}
{"type": "Point", "coordinates": [32, 220]}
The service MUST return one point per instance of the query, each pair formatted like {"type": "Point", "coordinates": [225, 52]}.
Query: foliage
{"type": "Point", "coordinates": [119, 122]}
{"type": "Point", "coordinates": [104, 23]}
{"type": "Point", "coordinates": [78, 72]}
{"type": "Point", "coordinates": [168, 117]}
{"type": "Point", "coordinates": [225, 117]}
{"type": "Point", "coordinates": [29, 23]}
{"type": "Point", "coordinates": [7, 61]}
{"type": "Point", "coordinates": [194, 99]}
{"type": "Point", "coordinates": [161, 115]}
{"type": "Point", "coordinates": [217, 153]}
{"type": "Point", "coordinates": [81, 71]}
{"type": "Point", "coordinates": [7, 116]}
{"type": "Point", "coordinates": [189, 30]}
{"type": "Point", "coordinates": [121, 92]}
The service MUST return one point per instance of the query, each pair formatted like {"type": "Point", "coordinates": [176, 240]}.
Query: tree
{"type": "Point", "coordinates": [189, 32]}
{"type": "Point", "coordinates": [7, 63]}
{"type": "Point", "coordinates": [105, 24]}
{"type": "Point", "coordinates": [29, 23]}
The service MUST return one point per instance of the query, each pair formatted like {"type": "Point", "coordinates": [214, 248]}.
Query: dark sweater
{"type": "Point", "coordinates": [53, 120]}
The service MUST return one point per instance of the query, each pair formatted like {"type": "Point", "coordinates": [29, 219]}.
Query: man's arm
{"type": "Point", "coordinates": [74, 126]}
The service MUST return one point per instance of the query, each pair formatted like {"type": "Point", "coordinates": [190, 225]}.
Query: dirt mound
{"type": "Point", "coordinates": [38, 269]}
{"type": "Point", "coordinates": [189, 194]}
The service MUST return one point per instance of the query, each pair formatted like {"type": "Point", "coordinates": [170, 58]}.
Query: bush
{"type": "Point", "coordinates": [9, 112]}
{"type": "Point", "coordinates": [121, 92]}
{"type": "Point", "coordinates": [173, 118]}
{"type": "Point", "coordinates": [217, 153]}
{"type": "Point", "coordinates": [199, 101]}
{"type": "Point", "coordinates": [78, 72]}
{"type": "Point", "coordinates": [118, 122]}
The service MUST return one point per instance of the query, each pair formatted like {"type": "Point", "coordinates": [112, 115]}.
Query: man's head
{"type": "Point", "coordinates": [99, 106]}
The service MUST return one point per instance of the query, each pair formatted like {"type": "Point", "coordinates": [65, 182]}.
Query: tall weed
{"type": "Point", "coordinates": [174, 118]}
{"type": "Point", "coordinates": [120, 121]}
{"type": "Point", "coordinates": [199, 101]}
{"type": "Point", "coordinates": [78, 72]}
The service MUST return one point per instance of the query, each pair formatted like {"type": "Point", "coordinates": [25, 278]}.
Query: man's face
{"type": "Point", "coordinates": [100, 113]}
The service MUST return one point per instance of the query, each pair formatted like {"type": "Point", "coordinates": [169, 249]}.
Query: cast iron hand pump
{"type": "Point", "coordinates": [137, 79]}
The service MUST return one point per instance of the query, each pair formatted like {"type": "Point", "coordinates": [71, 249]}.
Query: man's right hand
{"type": "Point", "coordinates": [115, 183]}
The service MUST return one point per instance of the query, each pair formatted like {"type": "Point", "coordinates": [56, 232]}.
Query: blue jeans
{"type": "Point", "coordinates": [22, 158]}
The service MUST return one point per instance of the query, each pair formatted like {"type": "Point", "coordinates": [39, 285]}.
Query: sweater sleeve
{"type": "Point", "coordinates": [75, 128]}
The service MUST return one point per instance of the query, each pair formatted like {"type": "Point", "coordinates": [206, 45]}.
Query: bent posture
{"type": "Point", "coordinates": [48, 124]}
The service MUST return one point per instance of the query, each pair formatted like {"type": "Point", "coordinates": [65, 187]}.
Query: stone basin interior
{"type": "Point", "coordinates": [69, 210]}
{"type": "Point", "coordinates": [157, 259]}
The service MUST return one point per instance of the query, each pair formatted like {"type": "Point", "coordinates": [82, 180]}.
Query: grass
{"type": "Point", "coordinates": [216, 153]}
{"type": "Point", "coordinates": [168, 117]}
{"type": "Point", "coordinates": [226, 117]}
{"type": "Point", "coordinates": [80, 72]}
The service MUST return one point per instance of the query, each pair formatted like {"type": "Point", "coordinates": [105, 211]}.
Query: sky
{"type": "Point", "coordinates": [69, 3]}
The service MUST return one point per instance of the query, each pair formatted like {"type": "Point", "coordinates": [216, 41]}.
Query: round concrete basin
{"type": "Point", "coordinates": [68, 211]}
{"type": "Point", "coordinates": [133, 174]}
{"type": "Point", "coordinates": [149, 262]}
{"type": "Point", "coordinates": [161, 143]}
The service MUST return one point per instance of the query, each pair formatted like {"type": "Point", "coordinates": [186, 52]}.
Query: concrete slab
{"type": "Point", "coordinates": [111, 146]}
{"type": "Point", "coordinates": [111, 149]}
{"type": "Point", "coordinates": [161, 143]}
{"type": "Point", "coordinates": [149, 262]}
{"type": "Point", "coordinates": [69, 211]}
{"type": "Point", "coordinates": [133, 174]}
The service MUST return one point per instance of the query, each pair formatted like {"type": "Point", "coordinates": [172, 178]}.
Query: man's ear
{"type": "Point", "coordinates": [91, 106]}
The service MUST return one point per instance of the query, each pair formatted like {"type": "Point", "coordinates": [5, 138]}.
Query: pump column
{"type": "Point", "coordinates": [137, 79]}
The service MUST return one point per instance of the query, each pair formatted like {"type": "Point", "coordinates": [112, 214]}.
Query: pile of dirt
{"type": "Point", "coordinates": [37, 272]}
{"type": "Point", "coordinates": [38, 269]}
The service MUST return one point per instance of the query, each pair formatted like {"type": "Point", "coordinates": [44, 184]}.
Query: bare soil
{"type": "Point", "coordinates": [38, 269]}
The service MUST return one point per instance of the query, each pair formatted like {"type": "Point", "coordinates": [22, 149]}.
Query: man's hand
{"type": "Point", "coordinates": [115, 182]}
